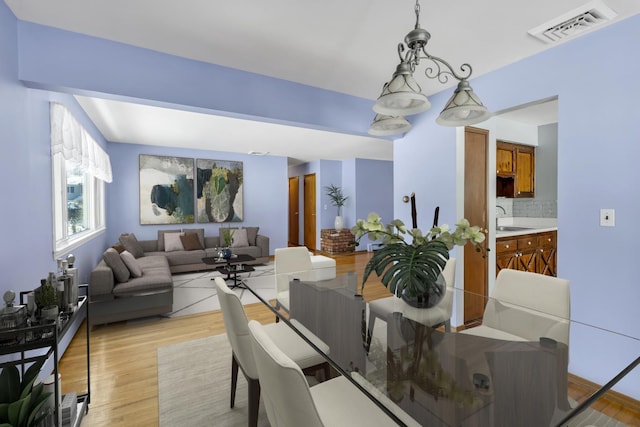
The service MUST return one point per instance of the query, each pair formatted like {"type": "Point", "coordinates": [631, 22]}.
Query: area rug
{"type": "Point", "coordinates": [195, 292]}
{"type": "Point", "coordinates": [194, 383]}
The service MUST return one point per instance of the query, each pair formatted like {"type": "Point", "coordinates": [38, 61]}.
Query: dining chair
{"type": "Point", "coordinates": [526, 306]}
{"type": "Point", "coordinates": [289, 400]}
{"type": "Point", "coordinates": [235, 322]}
{"type": "Point", "coordinates": [290, 263]}
{"type": "Point", "coordinates": [435, 316]}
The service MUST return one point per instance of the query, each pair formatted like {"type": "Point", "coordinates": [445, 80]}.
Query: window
{"type": "Point", "coordinates": [80, 168]}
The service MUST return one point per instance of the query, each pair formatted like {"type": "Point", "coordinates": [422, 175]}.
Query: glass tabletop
{"type": "Point", "coordinates": [406, 361]}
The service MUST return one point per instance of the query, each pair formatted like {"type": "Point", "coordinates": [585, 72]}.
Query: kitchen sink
{"type": "Point", "coordinates": [511, 228]}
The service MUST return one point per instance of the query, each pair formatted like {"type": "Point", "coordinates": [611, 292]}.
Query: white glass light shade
{"type": "Point", "coordinates": [402, 96]}
{"type": "Point", "coordinates": [386, 125]}
{"type": "Point", "coordinates": [463, 108]}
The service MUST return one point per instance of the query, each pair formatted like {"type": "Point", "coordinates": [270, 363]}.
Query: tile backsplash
{"type": "Point", "coordinates": [532, 208]}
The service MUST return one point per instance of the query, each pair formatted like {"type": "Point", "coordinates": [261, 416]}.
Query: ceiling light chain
{"type": "Point", "coordinates": [402, 95]}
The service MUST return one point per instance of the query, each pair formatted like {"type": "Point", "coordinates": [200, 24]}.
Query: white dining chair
{"type": "Point", "coordinates": [526, 306]}
{"type": "Point", "coordinates": [435, 316]}
{"type": "Point", "coordinates": [236, 324]}
{"type": "Point", "coordinates": [290, 402]}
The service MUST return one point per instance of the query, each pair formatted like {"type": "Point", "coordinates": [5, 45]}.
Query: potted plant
{"type": "Point", "coordinates": [411, 269]}
{"type": "Point", "coordinates": [47, 300]}
{"type": "Point", "coordinates": [20, 400]}
{"type": "Point", "coordinates": [227, 237]}
{"type": "Point", "coordinates": [337, 199]}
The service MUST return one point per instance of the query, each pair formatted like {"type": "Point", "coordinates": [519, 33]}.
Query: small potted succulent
{"type": "Point", "coordinates": [47, 300]}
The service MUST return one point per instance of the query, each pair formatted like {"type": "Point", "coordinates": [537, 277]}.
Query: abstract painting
{"type": "Point", "coordinates": [219, 190]}
{"type": "Point", "coordinates": [166, 190]}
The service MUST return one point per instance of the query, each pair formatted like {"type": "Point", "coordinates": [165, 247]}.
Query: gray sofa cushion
{"type": "Point", "coordinates": [130, 243]}
{"type": "Point", "coordinates": [185, 257]}
{"type": "Point", "coordinates": [252, 234]}
{"type": "Point", "coordinates": [156, 277]}
{"type": "Point", "coordinates": [131, 263]}
{"type": "Point", "coordinates": [113, 260]}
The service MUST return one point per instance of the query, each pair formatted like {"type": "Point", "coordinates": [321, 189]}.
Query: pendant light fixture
{"type": "Point", "coordinates": [402, 95]}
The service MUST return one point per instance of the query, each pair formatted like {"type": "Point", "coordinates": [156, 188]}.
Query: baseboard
{"type": "Point", "coordinates": [611, 395]}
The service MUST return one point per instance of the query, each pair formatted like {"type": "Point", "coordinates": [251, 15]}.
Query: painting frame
{"type": "Point", "coordinates": [166, 189]}
{"type": "Point", "coordinates": [219, 191]}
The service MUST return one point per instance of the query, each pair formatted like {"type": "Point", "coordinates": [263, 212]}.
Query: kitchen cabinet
{"type": "Point", "coordinates": [536, 252]}
{"type": "Point", "coordinates": [515, 174]}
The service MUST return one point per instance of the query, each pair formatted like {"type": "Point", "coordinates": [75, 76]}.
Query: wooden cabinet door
{"type": "Point", "coordinates": [536, 253]}
{"type": "Point", "coordinates": [506, 251]}
{"type": "Point", "coordinates": [547, 253]}
{"type": "Point", "coordinates": [505, 158]}
{"type": "Point", "coordinates": [525, 171]}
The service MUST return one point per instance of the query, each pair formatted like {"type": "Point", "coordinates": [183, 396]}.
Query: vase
{"type": "Point", "coordinates": [226, 253]}
{"type": "Point", "coordinates": [338, 224]}
{"type": "Point", "coordinates": [431, 297]}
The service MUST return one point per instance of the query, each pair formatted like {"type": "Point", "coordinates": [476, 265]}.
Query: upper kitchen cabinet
{"type": "Point", "coordinates": [515, 170]}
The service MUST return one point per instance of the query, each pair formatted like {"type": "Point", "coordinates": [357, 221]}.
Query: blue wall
{"type": "Point", "coordinates": [26, 252]}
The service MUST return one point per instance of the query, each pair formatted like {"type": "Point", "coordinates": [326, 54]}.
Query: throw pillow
{"type": "Point", "coordinates": [252, 234]}
{"type": "Point", "coordinates": [198, 232]}
{"type": "Point", "coordinates": [131, 263]}
{"type": "Point", "coordinates": [161, 238]}
{"type": "Point", "coordinates": [172, 242]}
{"type": "Point", "coordinates": [190, 242]}
{"type": "Point", "coordinates": [239, 239]}
{"type": "Point", "coordinates": [120, 271]}
{"type": "Point", "coordinates": [131, 244]}
{"type": "Point", "coordinates": [119, 247]}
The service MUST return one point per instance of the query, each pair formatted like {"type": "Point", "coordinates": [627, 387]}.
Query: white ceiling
{"type": "Point", "coordinates": [318, 43]}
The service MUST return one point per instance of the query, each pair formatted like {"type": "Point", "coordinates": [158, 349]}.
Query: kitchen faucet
{"type": "Point", "coordinates": [503, 211]}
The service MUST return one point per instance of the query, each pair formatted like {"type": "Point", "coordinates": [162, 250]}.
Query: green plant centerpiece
{"type": "Point", "coordinates": [411, 269]}
{"type": "Point", "coordinates": [227, 237]}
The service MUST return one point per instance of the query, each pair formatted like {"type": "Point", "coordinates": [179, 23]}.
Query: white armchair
{"type": "Point", "coordinates": [297, 263]}
{"type": "Point", "coordinates": [526, 306]}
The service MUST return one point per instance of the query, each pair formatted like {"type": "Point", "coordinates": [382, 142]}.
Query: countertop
{"type": "Point", "coordinates": [530, 225]}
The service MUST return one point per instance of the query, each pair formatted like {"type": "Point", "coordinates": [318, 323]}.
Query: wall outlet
{"type": "Point", "coordinates": [607, 217]}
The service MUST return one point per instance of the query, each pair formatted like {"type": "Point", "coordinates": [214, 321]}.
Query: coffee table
{"type": "Point", "coordinates": [231, 267]}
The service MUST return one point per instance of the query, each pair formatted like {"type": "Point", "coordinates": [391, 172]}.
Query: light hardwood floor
{"type": "Point", "coordinates": [124, 386]}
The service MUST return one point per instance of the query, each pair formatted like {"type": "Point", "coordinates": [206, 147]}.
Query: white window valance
{"type": "Point", "coordinates": [70, 139]}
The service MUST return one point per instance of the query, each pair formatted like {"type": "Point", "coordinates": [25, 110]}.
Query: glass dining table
{"type": "Point", "coordinates": [424, 375]}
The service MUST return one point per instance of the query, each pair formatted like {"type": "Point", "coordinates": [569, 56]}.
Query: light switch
{"type": "Point", "coordinates": [607, 217]}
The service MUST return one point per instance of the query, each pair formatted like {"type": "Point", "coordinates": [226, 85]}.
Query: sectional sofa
{"type": "Point", "coordinates": [133, 279]}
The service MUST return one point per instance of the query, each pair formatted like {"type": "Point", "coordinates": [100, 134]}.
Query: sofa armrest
{"type": "Point", "coordinates": [263, 243]}
{"type": "Point", "coordinates": [101, 281]}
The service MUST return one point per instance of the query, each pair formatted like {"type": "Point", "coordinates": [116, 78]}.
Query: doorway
{"type": "Point", "coordinates": [294, 211]}
{"type": "Point", "coordinates": [310, 211]}
{"type": "Point", "coordinates": [476, 143]}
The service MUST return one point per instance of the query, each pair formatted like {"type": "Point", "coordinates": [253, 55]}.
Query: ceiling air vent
{"type": "Point", "coordinates": [577, 21]}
